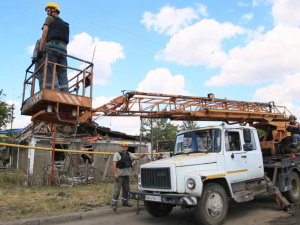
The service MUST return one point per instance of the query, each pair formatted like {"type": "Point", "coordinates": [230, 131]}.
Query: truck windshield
{"type": "Point", "coordinates": [198, 141]}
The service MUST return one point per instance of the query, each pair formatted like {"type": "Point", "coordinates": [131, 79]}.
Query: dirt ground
{"type": "Point", "coordinates": [292, 217]}
{"type": "Point", "coordinates": [262, 210]}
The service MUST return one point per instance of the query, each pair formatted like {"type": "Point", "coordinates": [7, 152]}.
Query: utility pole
{"type": "Point", "coordinates": [12, 117]}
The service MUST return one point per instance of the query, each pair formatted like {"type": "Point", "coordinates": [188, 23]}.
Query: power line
{"type": "Point", "coordinates": [177, 55]}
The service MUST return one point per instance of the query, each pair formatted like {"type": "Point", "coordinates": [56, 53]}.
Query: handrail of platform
{"type": "Point", "coordinates": [30, 80]}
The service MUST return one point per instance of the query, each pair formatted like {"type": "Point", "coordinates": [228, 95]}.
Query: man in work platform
{"type": "Point", "coordinates": [38, 63]}
{"type": "Point", "coordinates": [56, 37]}
{"type": "Point", "coordinates": [293, 127]}
{"type": "Point", "coordinates": [122, 163]}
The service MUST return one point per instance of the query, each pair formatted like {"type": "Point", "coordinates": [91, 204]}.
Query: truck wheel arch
{"type": "Point", "coordinates": [221, 181]}
{"type": "Point", "coordinates": [293, 195]}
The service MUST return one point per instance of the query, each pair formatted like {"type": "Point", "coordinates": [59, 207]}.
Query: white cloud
{"type": "Point", "coordinates": [162, 81]}
{"type": "Point", "coordinates": [101, 100]}
{"type": "Point", "coordinates": [285, 94]}
{"type": "Point", "coordinates": [281, 92]}
{"type": "Point", "coordinates": [30, 49]}
{"type": "Point", "coordinates": [202, 9]}
{"type": "Point", "coordinates": [200, 44]}
{"type": "Point", "coordinates": [247, 16]}
{"type": "Point", "coordinates": [170, 20]}
{"type": "Point", "coordinates": [128, 125]}
{"type": "Point", "coordinates": [286, 12]}
{"type": "Point", "coordinates": [262, 60]}
{"type": "Point", "coordinates": [106, 53]}
{"type": "Point", "coordinates": [258, 2]}
{"type": "Point", "coordinates": [242, 4]}
{"type": "Point", "coordinates": [19, 121]}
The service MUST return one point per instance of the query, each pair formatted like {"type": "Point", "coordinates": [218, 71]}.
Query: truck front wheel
{"type": "Point", "coordinates": [157, 209]}
{"type": "Point", "coordinates": [293, 195]}
{"type": "Point", "coordinates": [212, 206]}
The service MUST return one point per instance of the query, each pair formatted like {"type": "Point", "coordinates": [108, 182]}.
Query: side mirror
{"type": "Point", "coordinates": [247, 135]}
{"type": "Point", "coordinates": [247, 147]}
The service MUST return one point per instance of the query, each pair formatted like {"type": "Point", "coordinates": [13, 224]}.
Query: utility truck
{"type": "Point", "coordinates": [212, 164]}
{"type": "Point", "coordinates": [208, 165]}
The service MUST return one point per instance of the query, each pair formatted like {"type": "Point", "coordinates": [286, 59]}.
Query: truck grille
{"type": "Point", "coordinates": [156, 178]}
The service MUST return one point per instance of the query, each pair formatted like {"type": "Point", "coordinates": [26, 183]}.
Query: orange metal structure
{"type": "Point", "coordinates": [52, 106]}
{"type": "Point", "coordinates": [178, 107]}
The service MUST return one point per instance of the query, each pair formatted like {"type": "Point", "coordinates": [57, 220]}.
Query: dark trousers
{"type": "Point", "coordinates": [40, 74]}
{"type": "Point", "coordinates": [61, 72]}
{"type": "Point", "coordinates": [123, 183]}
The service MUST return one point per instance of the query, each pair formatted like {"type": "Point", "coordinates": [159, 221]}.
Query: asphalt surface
{"type": "Point", "coordinates": [103, 211]}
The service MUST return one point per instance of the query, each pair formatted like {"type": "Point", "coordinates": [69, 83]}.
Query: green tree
{"type": "Point", "coordinates": [5, 111]}
{"type": "Point", "coordinates": [162, 130]}
{"type": "Point", "coordinates": [261, 132]}
{"type": "Point", "coordinates": [188, 125]}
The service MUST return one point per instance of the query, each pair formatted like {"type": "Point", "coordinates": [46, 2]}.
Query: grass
{"type": "Point", "coordinates": [18, 202]}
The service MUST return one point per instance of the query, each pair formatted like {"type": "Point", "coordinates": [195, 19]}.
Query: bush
{"type": "Point", "coordinates": [16, 177]}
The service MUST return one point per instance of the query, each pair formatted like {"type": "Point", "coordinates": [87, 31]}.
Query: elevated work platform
{"type": "Point", "coordinates": [54, 106]}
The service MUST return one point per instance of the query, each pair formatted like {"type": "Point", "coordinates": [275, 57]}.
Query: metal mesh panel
{"type": "Point", "coordinates": [156, 178]}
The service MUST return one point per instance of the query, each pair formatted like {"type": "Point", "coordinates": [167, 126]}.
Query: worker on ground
{"type": "Point", "coordinates": [38, 63]}
{"type": "Point", "coordinates": [56, 37]}
{"type": "Point", "coordinates": [122, 163]}
{"type": "Point", "coordinates": [293, 127]}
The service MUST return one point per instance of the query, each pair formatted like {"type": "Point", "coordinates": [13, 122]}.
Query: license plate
{"type": "Point", "coordinates": [153, 198]}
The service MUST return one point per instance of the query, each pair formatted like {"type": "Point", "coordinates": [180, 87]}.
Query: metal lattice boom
{"type": "Point", "coordinates": [178, 107]}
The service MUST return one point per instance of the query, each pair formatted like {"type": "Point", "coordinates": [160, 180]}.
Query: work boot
{"type": "Point", "coordinates": [114, 204]}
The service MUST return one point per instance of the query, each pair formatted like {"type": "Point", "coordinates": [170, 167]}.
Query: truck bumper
{"type": "Point", "coordinates": [174, 199]}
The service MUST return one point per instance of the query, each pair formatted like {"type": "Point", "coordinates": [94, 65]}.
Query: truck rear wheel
{"type": "Point", "coordinates": [293, 195]}
{"type": "Point", "coordinates": [158, 209]}
{"type": "Point", "coordinates": [212, 206]}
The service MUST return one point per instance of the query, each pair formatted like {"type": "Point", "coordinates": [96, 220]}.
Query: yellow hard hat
{"type": "Point", "coordinates": [52, 5]}
{"type": "Point", "coordinates": [124, 143]}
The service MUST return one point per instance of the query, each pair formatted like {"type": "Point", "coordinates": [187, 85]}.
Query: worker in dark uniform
{"type": "Point", "coordinates": [38, 63]}
{"type": "Point", "coordinates": [293, 127]}
{"type": "Point", "coordinates": [56, 37]}
{"type": "Point", "coordinates": [122, 163]}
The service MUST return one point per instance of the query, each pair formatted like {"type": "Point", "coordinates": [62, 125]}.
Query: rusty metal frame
{"type": "Point", "coordinates": [178, 107]}
{"type": "Point", "coordinates": [66, 103]}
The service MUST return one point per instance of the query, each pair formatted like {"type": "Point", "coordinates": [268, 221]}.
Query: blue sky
{"type": "Point", "coordinates": [240, 50]}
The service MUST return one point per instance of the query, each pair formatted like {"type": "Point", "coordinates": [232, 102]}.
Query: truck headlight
{"type": "Point", "coordinates": [139, 180]}
{"type": "Point", "coordinates": [190, 183]}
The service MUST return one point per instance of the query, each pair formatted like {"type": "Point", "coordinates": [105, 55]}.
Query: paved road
{"type": "Point", "coordinates": [259, 211]}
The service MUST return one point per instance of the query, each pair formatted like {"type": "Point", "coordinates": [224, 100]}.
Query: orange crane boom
{"type": "Point", "coordinates": [179, 107]}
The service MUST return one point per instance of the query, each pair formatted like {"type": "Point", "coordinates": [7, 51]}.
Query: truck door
{"type": "Point", "coordinates": [235, 157]}
{"type": "Point", "coordinates": [254, 158]}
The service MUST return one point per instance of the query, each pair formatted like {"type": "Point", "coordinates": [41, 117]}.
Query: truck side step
{"type": "Point", "coordinates": [276, 194]}
{"type": "Point", "coordinates": [243, 196]}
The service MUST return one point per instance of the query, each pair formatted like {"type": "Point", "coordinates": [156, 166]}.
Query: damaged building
{"type": "Point", "coordinates": [88, 138]}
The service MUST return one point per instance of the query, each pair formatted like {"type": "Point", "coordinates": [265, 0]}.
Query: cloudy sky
{"type": "Point", "coordinates": [246, 50]}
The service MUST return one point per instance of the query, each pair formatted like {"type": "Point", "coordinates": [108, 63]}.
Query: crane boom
{"type": "Point", "coordinates": [179, 107]}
